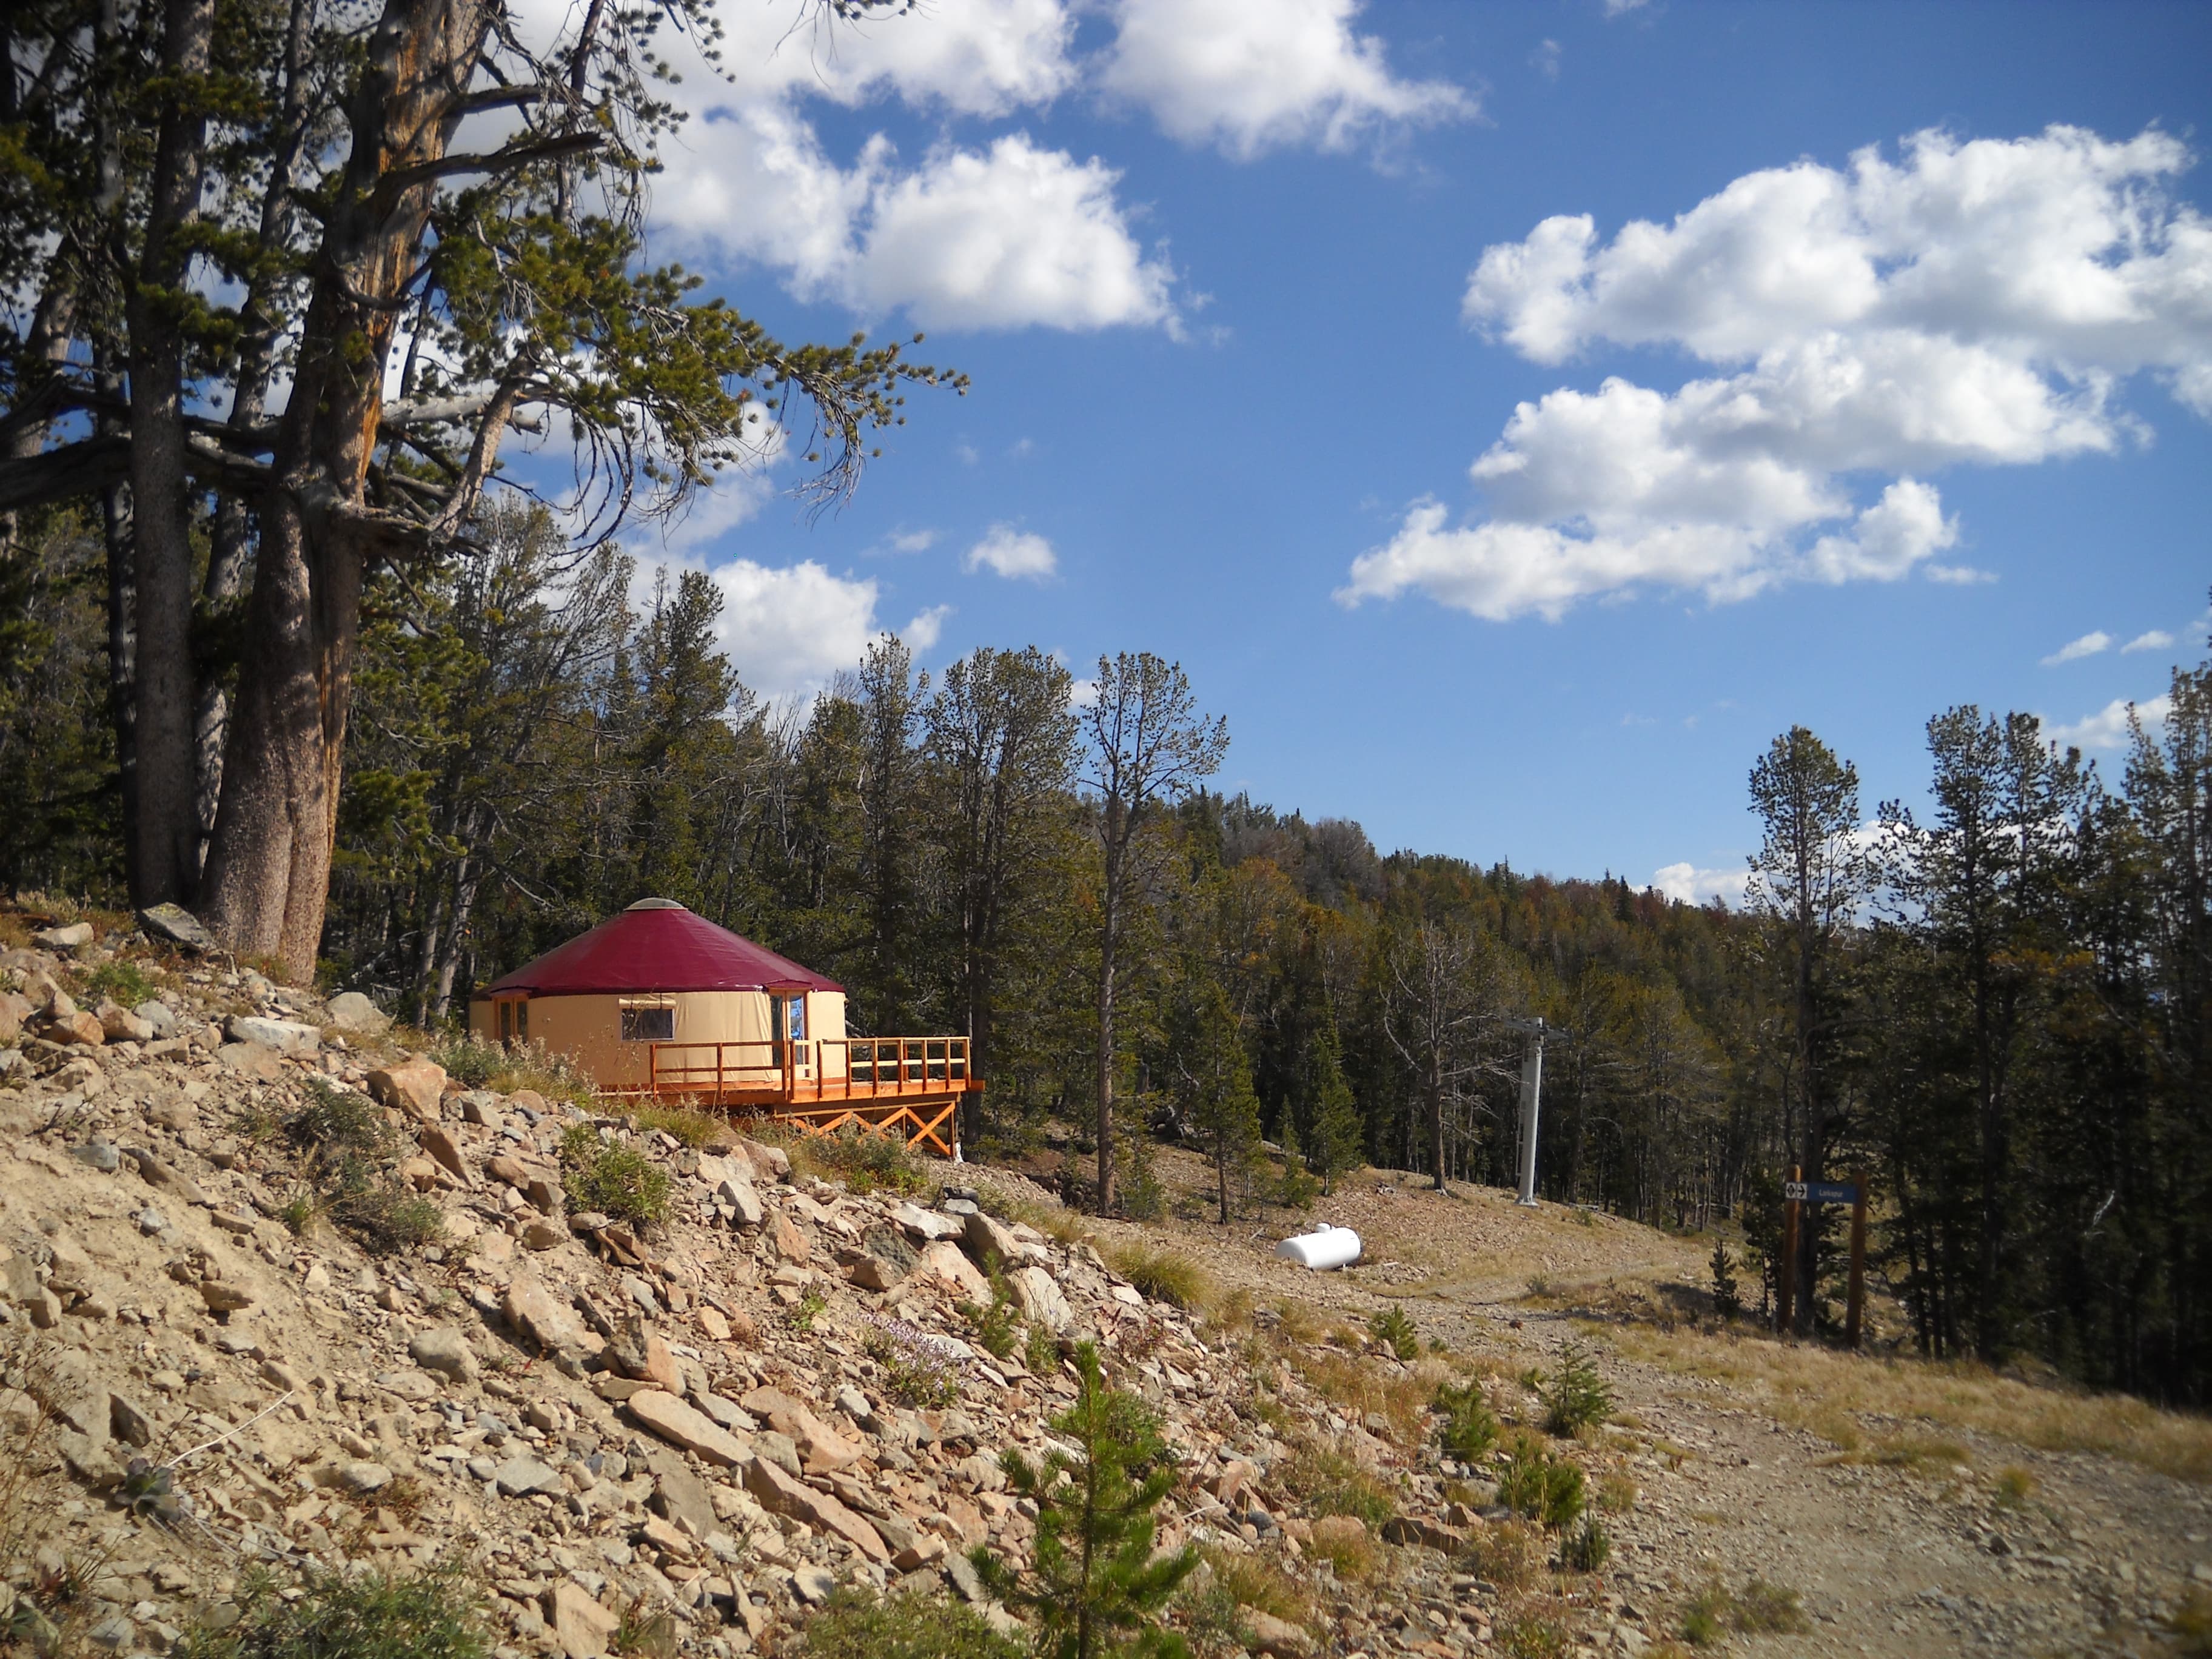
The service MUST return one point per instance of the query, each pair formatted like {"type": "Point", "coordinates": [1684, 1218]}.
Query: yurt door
{"type": "Point", "coordinates": [789, 1016]}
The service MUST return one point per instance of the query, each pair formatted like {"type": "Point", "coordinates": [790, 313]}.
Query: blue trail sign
{"type": "Point", "coordinates": [1821, 1191]}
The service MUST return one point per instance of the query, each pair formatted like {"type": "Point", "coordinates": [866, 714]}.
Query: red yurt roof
{"type": "Point", "coordinates": [659, 946]}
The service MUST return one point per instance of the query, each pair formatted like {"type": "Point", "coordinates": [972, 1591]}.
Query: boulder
{"type": "Point", "coordinates": [1277, 1637]}
{"type": "Point", "coordinates": [683, 1425]}
{"type": "Point", "coordinates": [580, 1627]}
{"type": "Point", "coordinates": [769, 1163]}
{"type": "Point", "coordinates": [678, 1495]}
{"type": "Point", "coordinates": [286, 1036]}
{"type": "Point", "coordinates": [739, 1193]}
{"type": "Point", "coordinates": [543, 1317]}
{"type": "Point", "coordinates": [822, 1448]}
{"type": "Point", "coordinates": [77, 1027]}
{"type": "Point", "coordinates": [779, 1494]}
{"type": "Point", "coordinates": [253, 1059]}
{"type": "Point", "coordinates": [119, 1024]}
{"type": "Point", "coordinates": [637, 1352]}
{"type": "Point", "coordinates": [791, 1241]}
{"type": "Point", "coordinates": [928, 1226]}
{"type": "Point", "coordinates": [989, 1242]}
{"type": "Point", "coordinates": [159, 1017]}
{"type": "Point", "coordinates": [446, 1350]}
{"type": "Point", "coordinates": [519, 1476]}
{"type": "Point", "coordinates": [1038, 1296]}
{"type": "Point", "coordinates": [225, 1296]}
{"type": "Point", "coordinates": [13, 1010]}
{"type": "Point", "coordinates": [416, 1085]}
{"type": "Point", "coordinates": [177, 925]}
{"type": "Point", "coordinates": [945, 1260]}
{"type": "Point", "coordinates": [349, 1011]}
{"type": "Point", "coordinates": [65, 938]}
{"type": "Point", "coordinates": [506, 1171]}
{"type": "Point", "coordinates": [168, 1179]}
{"type": "Point", "coordinates": [438, 1142]}
{"type": "Point", "coordinates": [871, 1271]}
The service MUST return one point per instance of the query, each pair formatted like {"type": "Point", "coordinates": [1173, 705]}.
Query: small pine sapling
{"type": "Point", "coordinates": [1470, 1428]}
{"type": "Point", "coordinates": [1394, 1329]}
{"type": "Point", "coordinates": [1094, 1588]}
{"type": "Point", "coordinates": [1727, 1296]}
{"type": "Point", "coordinates": [1574, 1396]}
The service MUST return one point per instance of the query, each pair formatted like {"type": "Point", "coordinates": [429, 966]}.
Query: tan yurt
{"type": "Point", "coordinates": [658, 1000]}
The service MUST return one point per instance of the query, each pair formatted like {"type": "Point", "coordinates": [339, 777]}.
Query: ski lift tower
{"type": "Point", "coordinates": [1532, 1087]}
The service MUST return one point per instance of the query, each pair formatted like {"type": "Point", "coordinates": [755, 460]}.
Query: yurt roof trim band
{"type": "Point", "coordinates": [657, 945]}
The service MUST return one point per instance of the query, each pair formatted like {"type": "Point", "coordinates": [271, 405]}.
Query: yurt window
{"type": "Point", "coordinates": [522, 1021]}
{"type": "Point", "coordinates": [506, 1019]}
{"type": "Point", "coordinates": [648, 1022]}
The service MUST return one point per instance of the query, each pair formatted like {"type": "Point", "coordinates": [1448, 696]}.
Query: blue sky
{"type": "Point", "coordinates": [1251, 290]}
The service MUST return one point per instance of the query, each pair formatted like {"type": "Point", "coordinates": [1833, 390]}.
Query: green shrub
{"type": "Point", "coordinates": [1394, 1329]}
{"type": "Point", "coordinates": [1470, 1429]}
{"type": "Point", "coordinates": [121, 982]}
{"type": "Point", "coordinates": [1544, 1488]}
{"type": "Point", "coordinates": [859, 1624]}
{"type": "Point", "coordinates": [337, 1120]}
{"type": "Point", "coordinates": [386, 1215]}
{"type": "Point", "coordinates": [1040, 1349]}
{"type": "Point", "coordinates": [1574, 1396]}
{"type": "Point", "coordinates": [1589, 1549]}
{"type": "Point", "coordinates": [1728, 1295]}
{"type": "Point", "coordinates": [997, 1328]}
{"type": "Point", "coordinates": [616, 1179]}
{"type": "Point", "coordinates": [507, 1068]}
{"type": "Point", "coordinates": [1758, 1609]}
{"type": "Point", "coordinates": [435, 1615]}
{"type": "Point", "coordinates": [869, 1162]}
{"type": "Point", "coordinates": [1532, 1635]}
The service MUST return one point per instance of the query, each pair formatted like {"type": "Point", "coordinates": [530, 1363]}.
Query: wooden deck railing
{"type": "Point", "coordinates": [885, 1085]}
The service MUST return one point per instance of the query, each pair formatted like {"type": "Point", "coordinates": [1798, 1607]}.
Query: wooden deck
{"type": "Point", "coordinates": [907, 1086]}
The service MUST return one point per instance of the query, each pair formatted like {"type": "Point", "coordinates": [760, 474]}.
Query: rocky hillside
{"type": "Point", "coordinates": [279, 1291]}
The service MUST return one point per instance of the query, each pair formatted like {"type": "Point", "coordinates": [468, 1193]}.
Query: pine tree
{"type": "Point", "coordinates": [1095, 1588]}
{"type": "Point", "coordinates": [1337, 1140]}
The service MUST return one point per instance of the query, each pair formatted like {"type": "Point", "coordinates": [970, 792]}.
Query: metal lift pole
{"type": "Point", "coordinates": [1532, 1089]}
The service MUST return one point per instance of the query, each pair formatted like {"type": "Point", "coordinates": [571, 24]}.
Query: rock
{"type": "Point", "coordinates": [1038, 1296]}
{"type": "Point", "coordinates": [529, 1102]}
{"type": "Point", "coordinates": [740, 1196]}
{"type": "Point", "coordinates": [711, 1321]}
{"type": "Point", "coordinates": [364, 1476]}
{"type": "Point", "coordinates": [545, 1320]}
{"type": "Point", "coordinates": [349, 1011]}
{"type": "Point", "coordinates": [177, 925]}
{"type": "Point", "coordinates": [790, 1242]}
{"type": "Point", "coordinates": [582, 1628]}
{"type": "Point", "coordinates": [927, 1224]}
{"type": "Point", "coordinates": [128, 1422]}
{"type": "Point", "coordinates": [637, 1352]}
{"type": "Point", "coordinates": [507, 1171]}
{"type": "Point", "coordinates": [99, 1155]}
{"type": "Point", "coordinates": [543, 1236]}
{"type": "Point", "coordinates": [679, 1495]}
{"type": "Point", "coordinates": [523, 1475]}
{"type": "Point", "coordinates": [437, 1140]}
{"type": "Point", "coordinates": [446, 1350]}
{"type": "Point", "coordinates": [13, 1010]}
{"type": "Point", "coordinates": [286, 1036]}
{"type": "Point", "coordinates": [160, 1019]}
{"type": "Point", "coordinates": [1276, 1636]}
{"type": "Point", "coordinates": [225, 1296]}
{"type": "Point", "coordinates": [1424, 1529]}
{"type": "Point", "coordinates": [119, 1024]}
{"type": "Point", "coordinates": [871, 1271]}
{"type": "Point", "coordinates": [166, 1178]}
{"type": "Point", "coordinates": [822, 1448]}
{"type": "Point", "coordinates": [769, 1163]}
{"type": "Point", "coordinates": [779, 1493]}
{"type": "Point", "coordinates": [813, 1585]}
{"type": "Point", "coordinates": [76, 1028]}
{"type": "Point", "coordinates": [1236, 1477]}
{"type": "Point", "coordinates": [945, 1260]}
{"type": "Point", "coordinates": [414, 1085]}
{"type": "Point", "coordinates": [990, 1243]}
{"type": "Point", "coordinates": [65, 937]}
{"type": "Point", "coordinates": [82, 1074]}
{"type": "Point", "coordinates": [776, 1447]}
{"type": "Point", "coordinates": [1347, 1531]}
{"type": "Point", "coordinates": [420, 1173]}
{"type": "Point", "coordinates": [685, 1426]}
{"type": "Point", "coordinates": [966, 1583]}
{"type": "Point", "coordinates": [253, 1059]}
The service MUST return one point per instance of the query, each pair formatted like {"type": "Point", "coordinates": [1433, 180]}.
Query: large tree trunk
{"type": "Point", "coordinates": [1110, 917]}
{"type": "Point", "coordinates": [268, 871]}
{"type": "Point", "coordinates": [165, 830]}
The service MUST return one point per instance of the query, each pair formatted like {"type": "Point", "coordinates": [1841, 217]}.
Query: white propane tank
{"type": "Point", "coordinates": [1325, 1246]}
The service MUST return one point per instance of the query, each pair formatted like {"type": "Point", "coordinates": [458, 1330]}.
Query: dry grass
{"type": "Point", "coordinates": [1400, 1395]}
{"type": "Point", "coordinates": [692, 1128]}
{"type": "Point", "coordinates": [1509, 1554]}
{"type": "Point", "coordinates": [1345, 1543]}
{"type": "Point", "coordinates": [1251, 1581]}
{"type": "Point", "coordinates": [1163, 1275]}
{"type": "Point", "coordinates": [1828, 1392]}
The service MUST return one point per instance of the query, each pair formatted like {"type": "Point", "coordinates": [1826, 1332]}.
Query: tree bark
{"type": "Point", "coordinates": [164, 829]}
{"type": "Point", "coordinates": [268, 871]}
{"type": "Point", "coordinates": [1109, 908]}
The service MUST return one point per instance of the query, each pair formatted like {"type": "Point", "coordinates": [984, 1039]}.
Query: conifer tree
{"type": "Point", "coordinates": [1095, 1588]}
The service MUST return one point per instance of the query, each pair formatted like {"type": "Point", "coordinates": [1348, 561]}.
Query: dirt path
{"type": "Point", "coordinates": [1930, 1541]}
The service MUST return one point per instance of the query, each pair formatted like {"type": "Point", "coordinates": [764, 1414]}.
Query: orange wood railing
{"type": "Point", "coordinates": [884, 1080]}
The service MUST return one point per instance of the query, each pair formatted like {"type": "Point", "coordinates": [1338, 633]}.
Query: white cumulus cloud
{"type": "Point", "coordinates": [1968, 303]}
{"type": "Point", "coordinates": [1685, 884]}
{"type": "Point", "coordinates": [1006, 551]}
{"type": "Point", "coordinates": [2156, 638]}
{"type": "Point", "coordinates": [1252, 75]}
{"type": "Point", "coordinates": [2074, 650]}
{"type": "Point", "coordinates": [2108, 727]}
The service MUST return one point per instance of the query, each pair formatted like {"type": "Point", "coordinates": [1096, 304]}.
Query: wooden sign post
{"type": "Point", "coordinates": [1797, 1191]}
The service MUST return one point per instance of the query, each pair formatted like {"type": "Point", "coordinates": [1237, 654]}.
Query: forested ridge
{"type": "Point", "coordinates": [1995, 1006]}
